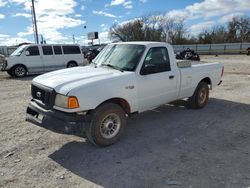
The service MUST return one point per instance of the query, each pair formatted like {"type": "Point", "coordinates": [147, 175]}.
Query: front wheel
{"type": "Point", "coordinates": [19, 71]}
{"type": "Point", "coordinates": [107, 125]}
{"type": "Point", "coordinates": [200, 96]}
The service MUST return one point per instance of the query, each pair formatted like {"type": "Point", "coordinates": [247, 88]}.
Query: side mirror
{"type": "Point", "coordinates": [27, 53]}
{"type": "Point", "coordinates": [148, 69]}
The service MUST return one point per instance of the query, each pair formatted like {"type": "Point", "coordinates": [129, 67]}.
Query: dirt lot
{"type": "Point", "coordinates": [169, 147]}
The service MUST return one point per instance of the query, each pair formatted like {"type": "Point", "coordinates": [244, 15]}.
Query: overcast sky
{"type": "Point", "coordinates": [59, 20]}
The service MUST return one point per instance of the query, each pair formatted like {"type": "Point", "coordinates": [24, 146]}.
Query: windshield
{"type": "Point", "coordinates": [18, 51]}
{"type": "Point", "coordinates": [123, 57]}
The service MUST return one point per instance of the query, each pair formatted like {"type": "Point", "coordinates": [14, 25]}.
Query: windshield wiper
{"type": "Point", "coordinates": [113, 67]}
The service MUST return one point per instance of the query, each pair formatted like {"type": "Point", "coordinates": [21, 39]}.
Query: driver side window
{"type": "Point", "coordinates": [157, 59]}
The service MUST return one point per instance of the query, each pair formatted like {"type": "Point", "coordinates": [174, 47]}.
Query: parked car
{"type": "Point", "coordinates": [85, 51]}
{"type": "Point", "coordinates": [188, 54]}
{"type": "Point", "coordinates": [126, 78]}
{"type": "Point", "coordinates": [33, 58]}
{"type": "Point", "coordinates": [91, 54]}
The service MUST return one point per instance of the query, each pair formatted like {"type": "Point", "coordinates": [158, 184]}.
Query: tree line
{"type": "Point", "coordinates": [173, 30]}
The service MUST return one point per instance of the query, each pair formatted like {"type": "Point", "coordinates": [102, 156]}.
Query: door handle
{"type": "Point", "coordinates": [171, 77]}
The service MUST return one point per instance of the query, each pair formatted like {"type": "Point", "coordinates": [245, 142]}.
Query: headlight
{"type": "Point", "coordinates": [61, 101]}
{"type": "Point", "coordinates": [69, 102]}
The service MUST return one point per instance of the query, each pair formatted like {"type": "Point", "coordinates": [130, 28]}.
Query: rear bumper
{"type": "Point", "coordinates": [56, 121]}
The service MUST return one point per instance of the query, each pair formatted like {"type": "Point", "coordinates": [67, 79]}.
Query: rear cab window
{"type": "Point", "coordinates": [33, 51]}
{"type": "Point", "coordinates": [71, 50]}
{"type": "Point", "coordinates": [47, 50]}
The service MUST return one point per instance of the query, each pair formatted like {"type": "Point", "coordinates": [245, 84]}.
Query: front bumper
{"type": "Point", "coordinates": [56, 121]}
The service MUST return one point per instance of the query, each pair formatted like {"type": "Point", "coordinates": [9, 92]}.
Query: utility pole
{"type": "Point", "coordinates": [84, 35]}
{"type": "Point", "coordinates": [33, 22]}
{"type": "Point", "coordinates": [34, 19]}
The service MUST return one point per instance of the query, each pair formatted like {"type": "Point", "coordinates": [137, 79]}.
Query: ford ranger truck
{"type": "Point", "coordinates": [125, 78]}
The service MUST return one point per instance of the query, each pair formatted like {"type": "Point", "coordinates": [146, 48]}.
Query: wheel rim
{"type": "Point", "coordinates": [110, 126]}
{"type": "Point", "coordinates": [20, 71]}
{"type": "Point", "coordinates": [202, 96]}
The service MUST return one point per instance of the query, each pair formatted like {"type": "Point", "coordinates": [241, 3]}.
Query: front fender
{"type": "Point", "coordinates": [92, 96]}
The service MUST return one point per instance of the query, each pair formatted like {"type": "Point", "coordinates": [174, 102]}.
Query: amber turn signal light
{"type": "Point", "coordinates": [73, 102]}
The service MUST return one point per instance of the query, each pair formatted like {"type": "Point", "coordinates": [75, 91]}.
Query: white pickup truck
{"type": "Point", "coordinates": [125, 78]}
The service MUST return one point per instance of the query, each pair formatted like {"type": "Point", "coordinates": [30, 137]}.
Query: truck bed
{"type": "Point", "coordinates": [192, 72]}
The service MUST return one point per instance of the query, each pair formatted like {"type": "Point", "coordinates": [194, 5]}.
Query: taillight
{"type": "Point", "coordinates": [222, 71]}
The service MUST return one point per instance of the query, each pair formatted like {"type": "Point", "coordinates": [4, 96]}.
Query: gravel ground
{"type": "Point", "coordinates": [168, 147]}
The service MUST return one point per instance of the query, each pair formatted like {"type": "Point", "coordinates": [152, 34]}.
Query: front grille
{"type": "Point", "coordinates": [43, 95]}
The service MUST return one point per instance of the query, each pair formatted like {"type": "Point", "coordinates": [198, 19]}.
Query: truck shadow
{"type": "Point", "coordinates": [170, 146]}
{"type": "Point", "coordinates": [26, 78]}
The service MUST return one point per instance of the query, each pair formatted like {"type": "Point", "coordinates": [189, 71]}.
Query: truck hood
{"type": "Point", "coordinates": [63, 81]}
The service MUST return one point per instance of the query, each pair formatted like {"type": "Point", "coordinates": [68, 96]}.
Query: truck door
{"type": "Point", "coordinates": [33, 59]}
{"type": "Point", "coordinates": [157, 83]}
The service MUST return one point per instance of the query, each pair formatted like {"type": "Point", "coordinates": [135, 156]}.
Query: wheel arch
{"type": "Point", "coordinates": [19, 65]}
{"type": "Point", "coordinates": [119, 101]}
{"type": "Point", "coordinates": [208, 81]}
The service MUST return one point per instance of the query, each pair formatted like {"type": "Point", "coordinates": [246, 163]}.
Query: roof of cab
{"type": "Point", "coordinates": [143, 43]}
{"type": "Point", "coordinates": [140, 42]}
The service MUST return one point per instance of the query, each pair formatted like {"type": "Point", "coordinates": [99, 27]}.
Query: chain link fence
{"type": "Point", "coordinates": [214, 49]}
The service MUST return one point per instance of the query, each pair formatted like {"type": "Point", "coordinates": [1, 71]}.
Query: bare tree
{"type": "Point", "coordinates": [239, 29]}
{"type": "Point", "coordinates": [244, 29]}
{"type": "Point", "coordinates": [218, 34]}
{"type": "Point", "coordinates": [150, 28]}
{"type": "Point", "coordinates": [152, 31]}
{"type": "Point", "coordinates": [129, 31]}
{"type": "Point", "coordinates": [173, 30]}
{"type": "Point", "coordinates": [205, 37]}
{"type": "Point", "coordinates": [232, 30]}
{"type": "Point", "coordinates": [159, 27]}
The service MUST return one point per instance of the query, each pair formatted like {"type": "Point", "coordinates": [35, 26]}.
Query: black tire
{"type": "Point", "coordinates": [200, 96]}
{"type": "Point", "coordinates": [19, 71]}
{"type": "Point", "coordinates": [106, 120]}
{"type": "Point", "coordinates": [72, 64]}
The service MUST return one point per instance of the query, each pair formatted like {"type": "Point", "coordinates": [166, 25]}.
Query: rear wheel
{"type": "Point", "coordinates": [19, 71]}
{"type": "Point", "coordinates": [200, 96]}
{"type": "Point", "coordinates": [72, 64]}
{"type": "Point", "coordinates": [107, 125]}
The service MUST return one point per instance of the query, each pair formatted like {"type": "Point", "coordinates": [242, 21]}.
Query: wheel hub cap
{"type": "Point", "coordinates": [19, 71]}
{"type": "Point", "coordinates": [110, 126]}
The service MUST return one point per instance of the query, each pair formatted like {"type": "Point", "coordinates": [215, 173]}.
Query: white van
{"type": "Point", "coordinates": [39, 58]}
